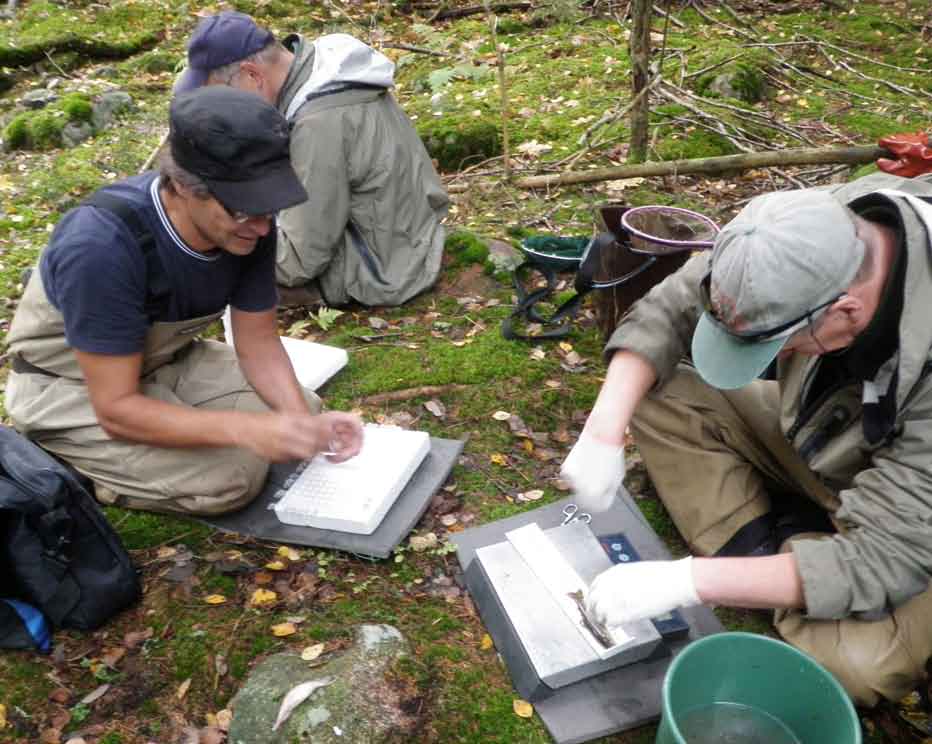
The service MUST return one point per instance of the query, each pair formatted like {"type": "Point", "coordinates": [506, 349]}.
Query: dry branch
{"type": "Point", "coordinates": [407, 394]}
{"type": "Point", "coordinates": [719, 164]}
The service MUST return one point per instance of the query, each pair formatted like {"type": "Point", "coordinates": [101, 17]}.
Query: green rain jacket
{"type": "Point", "coordinates": [371, 230]}
{"type": "Point", "coordinates": [883, 554]}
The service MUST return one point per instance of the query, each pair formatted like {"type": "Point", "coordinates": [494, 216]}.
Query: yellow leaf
{"type": "Point", "coordinates": [283, 629]}
{"type": "Point", "coordinates": [211, 719]}
{"type": "Point", "coordinates": [312, 652]}
{"type": "Point", "coordinates": [165, 552]}
{"type": "Point", "coordinates": [262, 597]}
{"type": "Point", "coordinates": [566, 347]}
{"type": "Point", "coordinates": [290, 553]}
{"type": "Point", "coordinates": [522, 708]}
{"type": "Point", "coordinates": [183, 689]}
{"type": "Point", "coordinates": [2, 716]}
{"type": "Point", "coordinates": [528, 445]}
{"type": "Point", "coordinates": [215, 599]}
{"type": "Point", "coordinates": [275, 566]}
{"type": "Point", "coordinates": [486, 643]}
{"type": "Point", "coordinates": [224, 717]}
{"type": "Point", "coordinates": [499, 459]}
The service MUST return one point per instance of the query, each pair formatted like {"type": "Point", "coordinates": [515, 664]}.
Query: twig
{"type": "Point", "coordinates": [154, 153]}
{"type": "Point", "coordinates": [675, 21]}
{"type": "Point", "coordinates": [415, 49]}
{"type": "Point", "coordinates": [408, 393]}
{"type": "Point", "coordinates": [55, 65]}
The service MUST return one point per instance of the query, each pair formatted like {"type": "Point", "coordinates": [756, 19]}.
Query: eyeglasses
{"type": "Point", "coordinates": [241, 217]}
{"type": "Point", "coordinates": [784, 329]}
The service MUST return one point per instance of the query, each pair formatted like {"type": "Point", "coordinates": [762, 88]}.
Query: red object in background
{"type": "Point", "coordinates": [913, 154]}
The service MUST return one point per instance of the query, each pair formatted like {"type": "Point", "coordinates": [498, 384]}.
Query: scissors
{"type": "Point", "coordinates": [572, 514]}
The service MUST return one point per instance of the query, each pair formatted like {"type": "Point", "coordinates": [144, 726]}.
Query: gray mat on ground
{"type": "Point", "coordinates": [614, 701]}
{"type": "Point", "coordinates": [259, 520]}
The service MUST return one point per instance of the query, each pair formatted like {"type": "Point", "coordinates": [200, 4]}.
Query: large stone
{"type": "Point", "coordinates": [109, 105]}
{"type": "Point", "coordinates": [504, 256]}
{"type": "Point", "coordinates": [75, 132]}
{"type": "Point", "coordinates": [36, 99]}
{"type": "Point", "coordinates": [360, 704]}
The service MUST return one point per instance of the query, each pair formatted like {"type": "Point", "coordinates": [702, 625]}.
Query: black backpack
{"type": "Point", "coordinates": [58, 553]}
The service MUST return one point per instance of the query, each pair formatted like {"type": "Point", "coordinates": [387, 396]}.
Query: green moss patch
{"type": "Point", "coordinates": [41, 130]}
{"type": "Point", "coordinates": [458, 142]}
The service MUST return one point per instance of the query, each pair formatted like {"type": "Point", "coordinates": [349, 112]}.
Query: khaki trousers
{"type": "Point", "coordinates": [717, 458]}
{"type": "Point", "coordinates": [206, 480]}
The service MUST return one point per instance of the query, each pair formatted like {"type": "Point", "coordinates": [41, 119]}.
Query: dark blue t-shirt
{"type": "Point", "coordinates": [95, 274]}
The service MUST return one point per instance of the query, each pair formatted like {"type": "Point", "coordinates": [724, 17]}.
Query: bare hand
{"type": "Point", "coordinates": [280, 437]}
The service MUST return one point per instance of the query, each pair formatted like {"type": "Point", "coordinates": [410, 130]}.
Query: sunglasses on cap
{"type": "Point", "coordinates": [784, 329]}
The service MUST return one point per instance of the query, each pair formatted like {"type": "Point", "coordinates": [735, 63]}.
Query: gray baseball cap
{"type": "Point", "coordinates": [775, 267]}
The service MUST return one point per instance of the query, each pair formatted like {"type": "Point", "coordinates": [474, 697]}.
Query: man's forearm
{"type": "Point", "coordinates": [767, 582]}
{"type": "Point", "coordinates": [268, 369]}
{"type": "Point", "coordinates": [138, 418]}
{"type": "Point", "coordinates": [627, 381]}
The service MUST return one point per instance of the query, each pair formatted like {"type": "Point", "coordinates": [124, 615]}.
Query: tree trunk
{"type": "Point", "coordinates": [641, 11]}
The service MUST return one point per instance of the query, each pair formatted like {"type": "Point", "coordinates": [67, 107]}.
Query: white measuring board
{"type": "Point", "coordinates": [560, 580]}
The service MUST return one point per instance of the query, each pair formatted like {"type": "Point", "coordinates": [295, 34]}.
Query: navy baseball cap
{"type": "Point", "coordinates": [238, 145]}
{"type": "Point", "coordinates": [219, 40]}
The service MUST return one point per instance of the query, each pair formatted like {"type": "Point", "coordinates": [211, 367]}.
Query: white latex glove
{"type": "Point", "coordinates": [594, 470]}
{"type": "Point", "coordinates": [636, 591]}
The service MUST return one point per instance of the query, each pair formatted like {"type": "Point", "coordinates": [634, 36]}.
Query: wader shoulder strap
{"type": "Point", "coordinates": [158, 290]}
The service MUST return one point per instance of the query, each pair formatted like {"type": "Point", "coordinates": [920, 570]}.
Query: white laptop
{"type": "Point", "coordinates": [354, 496]}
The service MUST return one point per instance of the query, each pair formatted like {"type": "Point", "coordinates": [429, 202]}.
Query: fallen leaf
{"type": "Point", "coordinates": [290, 553]}
{"type": "Point", "coordinates": [275, 566]}
{"type": "Point", "coordinates": [517, 426]}
{"type": "Point", "coordinates": [60, 695]}
{"type": "Point", "coordinates": [528, 446]}
{"type": "Point", "coordinates": [436, 407]}
{"type": "Point", "coordinates": [448, 520]}
{"type": "Point", "coordinates": [215, 599]}
{"type": "Point", "coordinates": [94, 695]}
{"type": "Point", "coordinates": [263, 577]}
{"type": "Point", "coordinates": [567, 347]}
{"type": "Point", "coordinates": [420, 543]}
{"type": "Point", "coordinates": [312, 652]}
{"type": "Point", "coordinates": [137, 637]}
{"type": "Point", "coordinates": [183, 689]}
{"type": "Point", "coordinates": [296, 696]}
{"type": "Point", "coordinates": [486, 642]}
{"type": "Point", "coordinates": [501, 415]}
{"type": "Point", "coordinates": [262, 597]}
{"type": "Point", "coordinates": [224, 717]}
{"type": "Point", "coordinates": [2, 716]}
{"type": "Point", "coordinates": [538, 353]}
{"type": "Point", "coordinates": [378, 323]}
{"type": "Point", "coordinates": [284, 629]}
{"type": "Point", "coordinates": [50, 736]}
{"type": "Point", "coordinates": [166, 552]}
{"type": "Point", "coordinates": [212, 734]}
{"type": "Point", "coordinates": [533, 495]}
{"type": "Point", "coordinates": [522, 708]}
{"type": "Point", "coordinates": [573, 359]}
{"type": "Point", "coordinates": [553, 384]}
{"type": "Point", "coordinates": [499, 459]}
{"type": "Point", "coordinates": [111, 656]}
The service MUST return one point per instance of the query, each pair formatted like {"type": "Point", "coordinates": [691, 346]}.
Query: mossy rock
{"type": "Point", "coordinates": [742, 81]}
{"type": "Point", "coordinates": [455, 143]}
{"type": "Point", "coordinates": [41, 130]}
{"type": "Point", "coordinates": [155, 62]}
{"type": "Point", "coordinates": [119, 30]}
{"type": "Point", "coordinates": [463, 248]}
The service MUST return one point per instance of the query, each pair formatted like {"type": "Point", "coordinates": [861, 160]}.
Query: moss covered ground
{"type": "Point", "coordinates": [175, 661]}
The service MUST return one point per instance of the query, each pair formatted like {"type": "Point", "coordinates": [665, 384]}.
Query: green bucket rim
{"type": "Point", "coordinates": [678, 659]}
